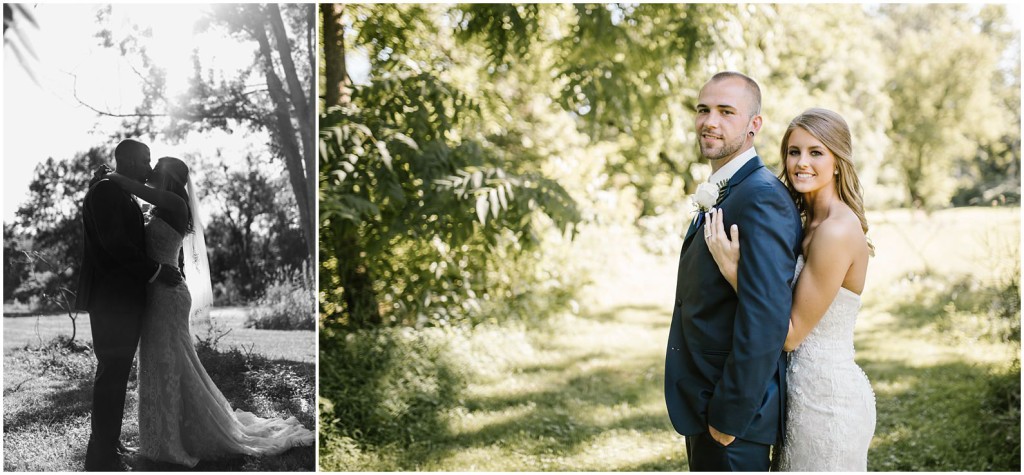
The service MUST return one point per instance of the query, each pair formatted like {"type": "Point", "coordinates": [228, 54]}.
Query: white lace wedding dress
{"type": "Point", "coordinates": [183, 417]}
{"type": "Point", "coordinates": [830, 406]}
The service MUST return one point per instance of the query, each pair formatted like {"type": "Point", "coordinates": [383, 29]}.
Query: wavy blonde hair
{"type": "Point", "coordinates": [831, 129]}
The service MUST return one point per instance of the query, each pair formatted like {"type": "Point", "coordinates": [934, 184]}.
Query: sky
{"type": "Point", "coordinates": [44, 119]}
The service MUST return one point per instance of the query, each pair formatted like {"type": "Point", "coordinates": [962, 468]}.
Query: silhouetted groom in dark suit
{"type": "Point", "coordinates": [725, 368]}
{"type": "Point", "coordinates": [112, 288]}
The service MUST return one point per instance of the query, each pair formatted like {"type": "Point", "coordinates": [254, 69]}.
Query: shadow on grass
{"type": "Point", "coordinates": [561, 419]}
{"type": "Point", "coordinates": [56, 406]}
{"type": "Point", "coordinates": [64, 401]}
{"type": "Point", "coordinates": [942, 418]}
{"type": "Point", "coordinates": [656, 315]}
{"type": "Point", "coordinates": [558, 408]}
{"type": "Point", "coordinates": [930, 299]}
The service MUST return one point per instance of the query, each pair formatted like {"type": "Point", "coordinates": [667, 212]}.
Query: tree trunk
{"type": "Point", "coordinates": [357, 282]}
{"type": "Point", "coordinates": [298, 174]}
{"type": "Point", "coordinates": [336, 90]}
{"type": "Point", "coordinates": [311, 45]}
{"type": "Point", "coordinates": [360, 301]}
{"type": "Point", "coordinates": [305, 117]}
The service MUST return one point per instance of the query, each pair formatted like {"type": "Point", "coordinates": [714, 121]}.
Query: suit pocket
{"type": "Point", "coordinates": [712, 354]}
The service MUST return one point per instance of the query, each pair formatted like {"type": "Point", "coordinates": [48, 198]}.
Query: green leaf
{"type": "Point", "coordinates": [481, 208]}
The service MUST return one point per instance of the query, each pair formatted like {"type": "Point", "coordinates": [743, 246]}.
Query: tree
{"type": "Point", "coordinates": [629, 74]}
{"type": "Point", "coordinates": [942, 100]}
{"type": "Point", "coordinates": [414, 198]}
{"type": "Point", "coordinates": [992, 173]}
{"type": "Point", "coordinates": [50, 222]}
{"type": "Point", "coordinates": [282, 40]}
{"type": "Point", "coordinates": [15, 18]}
{"type": "Point", "coordinates": [253, 232]}
{"type": "Point", "coordinates": [15, 267]}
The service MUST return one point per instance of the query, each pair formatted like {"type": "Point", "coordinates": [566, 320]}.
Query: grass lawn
{"type": "Point", "coordinates": [275, 344]}
{"type": "Point", "coordinates": [47, 392]}
{"type": "Point", "coordinates": [583, 392]}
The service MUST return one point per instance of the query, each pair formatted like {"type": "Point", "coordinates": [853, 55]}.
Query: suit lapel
{"type": "Point", "coordinates": [741, 174]}
{"type": "Point", "coordinates": [694, 224]}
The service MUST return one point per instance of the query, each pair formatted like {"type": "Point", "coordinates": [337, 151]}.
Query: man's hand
{"type": "Point", "coordinates": [721, 438]}
{"type": "Point", "coordinates": [169, 275]}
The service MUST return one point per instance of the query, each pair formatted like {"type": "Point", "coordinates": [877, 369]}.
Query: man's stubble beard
{"type": "Point", "coordinates": [728, 149]}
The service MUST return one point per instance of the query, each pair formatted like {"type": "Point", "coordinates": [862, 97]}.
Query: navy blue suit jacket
{"type": "Point", "coordinates": [724, 365]}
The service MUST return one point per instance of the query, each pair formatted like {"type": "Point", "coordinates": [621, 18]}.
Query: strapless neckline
{"type": "Point", "coordinates": [168, 225]}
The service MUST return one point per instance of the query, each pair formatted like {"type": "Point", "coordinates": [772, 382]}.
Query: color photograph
{"type": "Point", "coordinates": [666, 237]}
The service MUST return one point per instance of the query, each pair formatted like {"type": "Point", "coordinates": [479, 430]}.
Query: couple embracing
{"type": "Point", "coordinates": [141, 282]}
{"type": "Point", "coordinates": [760, 351]}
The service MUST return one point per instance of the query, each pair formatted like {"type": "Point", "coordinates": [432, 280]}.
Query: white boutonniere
{"type": "Point", "coordinates": [708, 195]}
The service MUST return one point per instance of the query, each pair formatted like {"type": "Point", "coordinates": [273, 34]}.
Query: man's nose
{"type": "Point", "coordinates": [712, 120]}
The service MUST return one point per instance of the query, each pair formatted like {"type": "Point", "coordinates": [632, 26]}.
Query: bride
{"type": "Point", "coordinates": [831, 408]}
{"type": "Point", "coordinates": [183, 417]}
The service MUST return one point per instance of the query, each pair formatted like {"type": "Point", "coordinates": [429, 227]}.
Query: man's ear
{"type": "Point", "coordinates": [756, 123]}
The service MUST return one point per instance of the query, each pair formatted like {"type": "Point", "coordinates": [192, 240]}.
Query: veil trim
{"type": "Point", "coordinates": [197, 267]}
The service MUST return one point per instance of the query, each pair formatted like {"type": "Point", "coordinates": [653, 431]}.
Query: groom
{"type": "Point", "coordinates": [112, 288]}
{"type": "Point", "coordinates": [724, 366]}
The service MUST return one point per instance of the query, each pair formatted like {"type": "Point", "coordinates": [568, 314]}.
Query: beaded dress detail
{"type": "Point", "coordinates": [830, 416]}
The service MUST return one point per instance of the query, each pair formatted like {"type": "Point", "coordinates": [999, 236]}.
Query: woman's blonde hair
{"type": "Point", "coordinates": [830, 128]}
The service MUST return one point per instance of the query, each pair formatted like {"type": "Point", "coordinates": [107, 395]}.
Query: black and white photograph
{"type": "Point", "coordinates": [159, 196]}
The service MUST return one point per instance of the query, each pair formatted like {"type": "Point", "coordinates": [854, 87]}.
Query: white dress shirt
{"type": "Point", "coordinates": [730, 169]}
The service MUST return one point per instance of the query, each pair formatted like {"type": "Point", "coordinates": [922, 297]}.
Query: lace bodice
{"type": "Point", "coordinates": [183, 416]}
{"type": "Point", "coordinates": [830, 415]}
{"type": "Point", "coordinates": [832, 338]}
{"type": "Point", "coordinates": [162, 242]}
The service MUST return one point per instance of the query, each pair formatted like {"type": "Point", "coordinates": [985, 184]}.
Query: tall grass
{"type": "Point", "coordinates": [289, 303]}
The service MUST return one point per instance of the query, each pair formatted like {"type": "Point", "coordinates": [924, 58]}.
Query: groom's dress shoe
{"type": "Point", "coordinates": [123, 449]}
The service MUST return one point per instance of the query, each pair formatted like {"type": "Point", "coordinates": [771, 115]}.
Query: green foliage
{"type": "Point", "coordinates": [414, 199]}
{"type": "Point", "coordinates": [507, 29]}
{"type": "Point", "coordinates": [625, 73]}
{"type": "Point", "coordinates": [289, 303]}
{"type": "Point", "coordinates": [384, 386]}
{"type": "Point", "coordinates": [1002, 405]}
{"type": "Point", "coordinates": [945, 95]}
{"type": "Point", "coordinates": [964, 307]}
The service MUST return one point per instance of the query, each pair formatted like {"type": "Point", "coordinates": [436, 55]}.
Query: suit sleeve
{"type": "Point", "coordinates": [767, 260]}
{"type": "Point", "coordinates": [109, 215]}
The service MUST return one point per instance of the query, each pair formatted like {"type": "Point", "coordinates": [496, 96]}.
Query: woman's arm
{"type": "Point", "coordinates": [160, 198]}
{"type": "Point", "coordinates": [724, 248]}
{"type": "Point", "coordinates": [829, 258]}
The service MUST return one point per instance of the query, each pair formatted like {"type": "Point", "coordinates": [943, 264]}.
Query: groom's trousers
{"type": "Point", "coordinates": [705, 454]}
{"type": "Point", "coordinates": [114, 356]}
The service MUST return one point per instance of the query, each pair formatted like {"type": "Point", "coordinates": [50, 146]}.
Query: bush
{"type": "Point", "coordinates": [384, 386]}
{"type": "Point", "coordinates": [288, 304]}
{"type": "Point", "coordinates": [1002, 403]}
